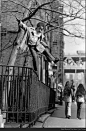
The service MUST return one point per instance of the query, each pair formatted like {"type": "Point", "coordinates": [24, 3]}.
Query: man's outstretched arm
{"type": "Point", "coordinates": [21, 24]}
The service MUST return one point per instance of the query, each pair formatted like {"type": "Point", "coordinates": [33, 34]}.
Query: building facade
{"type": "Point", "coordinates": [57, 43]}
{"type": "Point", "coordinates": [74, 68]}
{"type": "Point", "coordinates": [9, 34]}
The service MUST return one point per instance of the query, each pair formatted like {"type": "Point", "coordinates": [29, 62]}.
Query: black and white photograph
{"type": "Point", "coordinates": [42, 64]}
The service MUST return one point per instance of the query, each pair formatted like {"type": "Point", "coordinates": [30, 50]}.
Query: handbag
{"type": "Point", "coordinates": [80, 99]}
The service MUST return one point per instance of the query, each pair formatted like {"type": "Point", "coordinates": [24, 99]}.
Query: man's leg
{"type": "Point", "coordinates": [35, 59]}
{"type": "Point", "coordinates": [49, 56]}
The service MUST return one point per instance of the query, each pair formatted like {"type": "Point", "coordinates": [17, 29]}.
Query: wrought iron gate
{"type": "Point", "coordinates": [23, 96]}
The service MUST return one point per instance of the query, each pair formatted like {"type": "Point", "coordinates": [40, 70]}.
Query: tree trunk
{"type": "Point", "coordinates": [19, 40]}
{"type": "Point", "coordinates": [20, 43]}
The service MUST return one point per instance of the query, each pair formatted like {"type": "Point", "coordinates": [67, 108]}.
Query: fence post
{"type": "Point", "coordinates": [1, 120]}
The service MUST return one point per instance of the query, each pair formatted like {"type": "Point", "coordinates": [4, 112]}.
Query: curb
{"type": "Point", "coordinates": [12, 125]}
{"type": "Point", "coordinates": [41, 121]}
{"type": "Point", "coordinates": [1, 121]}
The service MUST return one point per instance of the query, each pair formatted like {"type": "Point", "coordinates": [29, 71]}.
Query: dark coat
{"type": "Point", "coordinates": [68, 92]}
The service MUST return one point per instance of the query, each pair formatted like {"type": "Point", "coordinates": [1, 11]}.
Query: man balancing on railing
{"type": "Point", "coordinates": [35, 42]}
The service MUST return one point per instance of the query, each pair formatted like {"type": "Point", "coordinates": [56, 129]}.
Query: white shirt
{"type": "Point", "coordinates": [32, 34]}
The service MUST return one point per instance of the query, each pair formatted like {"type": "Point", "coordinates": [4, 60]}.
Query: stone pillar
{"type": "Point", "coordinates": [1, 120]}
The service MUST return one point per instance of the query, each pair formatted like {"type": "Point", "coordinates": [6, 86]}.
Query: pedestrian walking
{"type": "Point", "coordinates": [61, 102]}
{"type": "Point", "coordinates": [60, 91]}
{"type": "Point", "coordinates": [68, 92]}
{"type": "Point", "coordinates": [80, 98]}
{"type": "Point", "coordinates": [74, 90]}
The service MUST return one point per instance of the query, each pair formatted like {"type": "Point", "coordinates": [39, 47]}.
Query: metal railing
{"type": "Point", "coordinates": [23, 97]}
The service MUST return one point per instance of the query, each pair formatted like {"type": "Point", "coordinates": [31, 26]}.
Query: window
{"type": "Point", "coordinates": [3, 31]}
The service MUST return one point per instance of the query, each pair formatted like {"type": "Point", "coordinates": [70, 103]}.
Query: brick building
{"type": "Point", "coordinates": [57, 41]}
{"type": "Point", "coordinates": [9, 29]}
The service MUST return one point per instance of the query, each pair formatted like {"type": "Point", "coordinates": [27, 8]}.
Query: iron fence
{"type": "Point", "coordinates": [23, 97]}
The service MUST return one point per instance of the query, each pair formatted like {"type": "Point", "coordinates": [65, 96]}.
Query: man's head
{"type": "Point", "coordinates": [72, 82]}
{"type": "Point", "coordinates": [40, 27]}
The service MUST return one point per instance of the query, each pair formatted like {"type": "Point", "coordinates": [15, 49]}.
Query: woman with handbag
{"type": "Point", "coordinates": [74, 90]}
{"type": "Point", "coordinates": [80, 99]}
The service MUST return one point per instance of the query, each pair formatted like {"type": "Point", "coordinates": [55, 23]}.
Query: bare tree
{"type": "Point", "coordinates": [73, 12]}
{"type": "Point", "coordinates": [73, 15]}
{"type": "Point", "coordinates": [64, 17]}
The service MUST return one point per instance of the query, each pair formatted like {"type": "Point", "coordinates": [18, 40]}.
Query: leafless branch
{"type": "Point", "coordinates": [20, 5]}
{"type": "Point", "coordinates": [34, 12]}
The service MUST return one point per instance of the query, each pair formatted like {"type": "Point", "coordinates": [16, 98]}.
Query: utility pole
{"type": "Point", "coordinates": [57, 84]}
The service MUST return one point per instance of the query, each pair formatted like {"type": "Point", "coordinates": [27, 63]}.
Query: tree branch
{"type": "Point", "coordinates": [63, 14]}
{"type": "Point", "coordinates": [20, 5]}
{"type": "Point", "coordinates": [72, 35]}
{"type": "Point", "coordinates": [34, 12]}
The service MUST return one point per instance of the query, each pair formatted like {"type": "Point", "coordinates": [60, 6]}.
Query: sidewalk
{"type": "Point", "coordinates": [41, 121]}
{"type": "Point", "coordinates": [56, 119]}
{"type": "Point", "coordinates": [53, 122]}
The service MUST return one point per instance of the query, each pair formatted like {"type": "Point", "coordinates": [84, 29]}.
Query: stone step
{"type": "Point", "coordinates": [2, 125]}
{"type": "Point", "coordinates": [1, 118]}
{"type": "Point", "coordinates": [1, 121]}
{"type": "Point", "coordinates": [11, 125]}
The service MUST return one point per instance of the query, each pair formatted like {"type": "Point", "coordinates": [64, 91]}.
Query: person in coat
{"type": "Point", "coordinates": [80, 95]}
{"type": "Point", "coordinates": [74, 90]}
{"type": "Point", "coordinates": [68, 99]}
{"type": "Point", "coordinates": [36, 43]}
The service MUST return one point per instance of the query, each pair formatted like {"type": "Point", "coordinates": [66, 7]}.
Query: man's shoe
{"type": "Point", "coordinates": [79, 118]}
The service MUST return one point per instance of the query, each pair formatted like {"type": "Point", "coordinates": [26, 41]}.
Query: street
{"type": "Point", "coordinates": [58, 120]}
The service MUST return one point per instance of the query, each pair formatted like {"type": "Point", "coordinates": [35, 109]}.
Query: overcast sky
{"type": "Point", "coordinates": [73, 44]}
